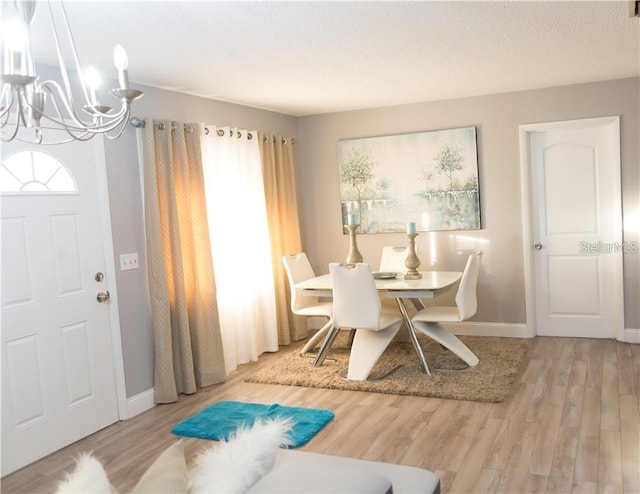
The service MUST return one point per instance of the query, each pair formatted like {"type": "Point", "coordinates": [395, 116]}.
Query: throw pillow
{"type": "Point", "coordinates": [233, 466]}
{"type": "Point", "coordinates": [87, 476]}
{"type": "Point", "coordinates": [167, 474]}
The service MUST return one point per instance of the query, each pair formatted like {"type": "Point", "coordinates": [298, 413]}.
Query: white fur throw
{"type": "Point", "coordinates": [233, 466]}
{"type": "Point", "coordinates": [88, 477]}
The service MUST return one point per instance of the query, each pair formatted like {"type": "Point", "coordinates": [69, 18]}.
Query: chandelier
{"type": "Point", "coordinates": [29, 106]}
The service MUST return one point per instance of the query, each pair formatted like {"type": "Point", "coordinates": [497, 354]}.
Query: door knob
{"type": "Point", "coordinates": [103, 297]}
{"type": "Point", "coordinates": [537, 246]}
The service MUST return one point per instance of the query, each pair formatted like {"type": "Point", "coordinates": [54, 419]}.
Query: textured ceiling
{"type": "Point", "coordinates": [302, 58]}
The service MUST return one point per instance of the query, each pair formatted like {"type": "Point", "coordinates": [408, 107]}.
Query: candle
{"type": "Point", "coordinates": [92, 79]}
{"type": "Point", "coordinates": [123, 79]}
{"type": "Point", "coordinates": [411, 228]}
{"type": "Point", "coordinates": [121, 62]}
{"type": "Point", "coordinates": [351, 219]}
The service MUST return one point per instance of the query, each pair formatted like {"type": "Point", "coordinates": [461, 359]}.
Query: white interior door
{"type": "Point", "coordinates": [58, 380]}
{"type": "Point", "coordinates": [577, 232]}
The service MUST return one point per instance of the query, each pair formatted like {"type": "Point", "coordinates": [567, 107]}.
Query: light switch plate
{"type": "Point", "coordinates": [128, 261]}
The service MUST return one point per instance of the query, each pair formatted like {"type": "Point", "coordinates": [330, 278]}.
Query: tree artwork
{"type": "Point", "coordinates": [449, 160]}
{"type": "Point", "coordinates": [357, 173]}
{"type": "Point", "coordinates": [430, 178]}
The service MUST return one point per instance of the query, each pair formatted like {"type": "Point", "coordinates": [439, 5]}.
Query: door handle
{"type": "Point", "coordinates": [103, 297]}
{"type": "Point", "coordinates": [537, 246]}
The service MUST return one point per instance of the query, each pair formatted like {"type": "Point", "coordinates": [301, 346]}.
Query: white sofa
{"type": "Point", "coordinates": [303, 472]}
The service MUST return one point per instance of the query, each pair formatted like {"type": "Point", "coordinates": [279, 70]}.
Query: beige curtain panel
{"type": "Point", "coordinates": [188, 346]}
{"type": "Point", "coordinates": [278, 170]}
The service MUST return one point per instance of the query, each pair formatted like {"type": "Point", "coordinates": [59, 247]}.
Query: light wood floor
{"type": "Point", "coordinates": [571, 424]}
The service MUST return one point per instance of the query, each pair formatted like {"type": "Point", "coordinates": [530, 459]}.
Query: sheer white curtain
{"type": "Point", "coordinates": [240, 244]}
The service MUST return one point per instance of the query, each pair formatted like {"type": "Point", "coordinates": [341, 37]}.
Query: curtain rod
{"type": "Point", "coordinates": [138, 123]}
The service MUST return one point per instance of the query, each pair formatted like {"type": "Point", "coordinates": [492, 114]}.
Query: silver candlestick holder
{"type": "Point", "coordinates": [412, 262]}
{"type": "Point", "coordinates": [354, 254]}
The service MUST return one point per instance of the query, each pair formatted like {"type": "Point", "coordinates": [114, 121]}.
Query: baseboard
{"type": "Point", "coordinates": [514, 330]}
{"type": "Point", "coordinates": [470, 328]}
{"type": "Point", "coordinates": [140, 403]}
{"type": "Point", "coordinates": [631, 335]}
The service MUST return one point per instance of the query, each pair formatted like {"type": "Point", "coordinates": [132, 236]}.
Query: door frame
{"type": "Point", "coordinates": [527, 214]}
{"type": "Point", "coordinates": [110, 276]}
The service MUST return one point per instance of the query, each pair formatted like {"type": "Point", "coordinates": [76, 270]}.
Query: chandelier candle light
{"type": "Point", "coordinates": [26, 101]}
{"type": "Point", "coordinates": [354, 254]}
{"type": "Point", "coordinates": [412, 262]}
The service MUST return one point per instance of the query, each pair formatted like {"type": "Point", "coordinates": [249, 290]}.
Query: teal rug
{"type": "Point", "coordinates": [220, 420]}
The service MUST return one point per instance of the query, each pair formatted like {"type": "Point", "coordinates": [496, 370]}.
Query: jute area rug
{"type": "Point", "coordinates": [500, 363]}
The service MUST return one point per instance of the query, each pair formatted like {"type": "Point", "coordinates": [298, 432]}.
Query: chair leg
{"type": "Point", "coordinates": [412, 336]}
{"type": "Point", "coordinates": [367, 348]}
{"type": "Point", "coordinates": [448, 340]}
{"type": "Point", "coordinates": [326, 344]}
{"type": "Point", "coordinates": [316, 338]}
{"type": "Point", "coordinates": [352, 335]}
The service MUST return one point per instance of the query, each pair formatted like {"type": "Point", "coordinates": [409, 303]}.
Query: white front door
{"type": "Point", "coordinates": [58, 380]}
{"type": "Point", "coordinates": [577, 228]}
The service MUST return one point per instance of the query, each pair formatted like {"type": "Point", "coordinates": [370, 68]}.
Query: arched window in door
{"type": "Point", "coordinates": [35, 171]}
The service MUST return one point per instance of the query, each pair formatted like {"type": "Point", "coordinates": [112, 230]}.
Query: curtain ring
{"type": "Point", "coordinates": [160, 126]}
{"type": "Point", "coordinates": [239, 134]}
{"type": "Point", "coordinates": [206, 131]}
{"type": "Point", "coordinates": [188, 129]}
{"type": "Point", "coordinates": [220, 132]}
{"type": "Point", "coordinates": [249, 136]}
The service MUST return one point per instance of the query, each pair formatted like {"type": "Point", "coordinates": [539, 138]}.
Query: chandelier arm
{"type": "Point", "coordinates": [86, 132]}
{"type": "Point", "coordinates": [7, 94]}
{"type": "Point", "coordinates": [89, 134]}
{"type": "Point", "coordinates": [71, 109]}
{"type": "Point", "coordinates": [63, 66]}
{"type": "Point", "coordinates": [122, 128]}
{"type": "Point", "coordinates": [57, 96]}
{"type": "Point", "coordinates": [113, 122]}
{"type": "Point", "coordinates": [56, 92]}
{"type": "Point", "coordinates": [15, 128]}
{"type": "Point", "coordinates": [21, 105]}
{"type": "Point", "coordinates": [85, 136]}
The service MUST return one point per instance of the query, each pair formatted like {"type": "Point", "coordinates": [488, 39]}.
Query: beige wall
{"type": "Point", "coordinates": [497, 119]}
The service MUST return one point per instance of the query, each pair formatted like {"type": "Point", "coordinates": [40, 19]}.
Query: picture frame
{"type": "Point", "coordinates": [428, 178]}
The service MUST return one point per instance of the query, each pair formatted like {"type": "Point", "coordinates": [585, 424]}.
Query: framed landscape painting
{"type": "Point", "coordinates": [428, 178]}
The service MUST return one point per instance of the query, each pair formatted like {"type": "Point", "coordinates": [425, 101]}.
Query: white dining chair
{"type": "Point", "coordinates": [428, 320]}
{"type": "Point", "coordinates": [298, 269]}
{"type": "Point", "coordinates": [356, 305]}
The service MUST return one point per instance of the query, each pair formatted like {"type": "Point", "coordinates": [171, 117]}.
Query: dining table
{"type": "Point", "coordinates": [393, 285]}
